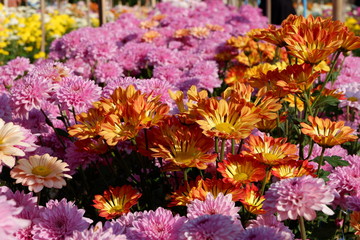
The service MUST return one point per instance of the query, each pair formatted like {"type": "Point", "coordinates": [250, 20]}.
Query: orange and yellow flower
{"type": "Point", "coordinates": [253, 200]}
{"type": "Point", "coordinates": [355, 221]}
{"type": "Point", "coordinates": [270, 151]}
{"type": "Point", "coordinates": [239, 169]}
{"type": "Point", "coordinates": [327, 133]}
{"type": "Point", "coordinates": [116, 201]}
{"type": "Point", "coordinates": [293, 169]}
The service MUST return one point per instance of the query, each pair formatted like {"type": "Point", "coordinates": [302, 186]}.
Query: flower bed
{"type": "Point", "coordinates": [195, 123]}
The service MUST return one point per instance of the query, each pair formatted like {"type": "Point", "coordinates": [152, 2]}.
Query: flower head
{"type": "Point", "coordinates": [300, 196]}
{"type": "Point", "coordinates": [253, 200]}
{"type": "Point", "coordinates": [116, 201]}
{"type": "Point", "coordinates": [327, 133]}
{"type": "Point", "coordinates": [355, 221]}
{"type": "Point", "coordinates": [39, 171]}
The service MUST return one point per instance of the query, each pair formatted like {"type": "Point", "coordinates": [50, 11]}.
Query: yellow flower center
{"type": "Point", "coordinates": [41, 171]}
{"type": "Point", "coordinates": [115, 209]}
{"type": "Point", "coordinates": [352, 99]}
{"type": "Point", "coordinates": [225, 127]}
{"type": "Point", "coordinates": [184, 157]}
{"type": "Point", "coordinates": [241, 176]}
{"type": "Point", "coordinates": [270, 156]}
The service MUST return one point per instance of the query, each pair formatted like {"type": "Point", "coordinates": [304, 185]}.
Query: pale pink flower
{"type": "Point", "coordinates": [300, 196]}
{"type": "Point", "coordinates": [263, 233]}
{"type": "Point", "coordinates": [40, 171]}
{"type": "Point", "coordinates": [269, 220]}
{"type": "Point", "coordinates": [96, 232]}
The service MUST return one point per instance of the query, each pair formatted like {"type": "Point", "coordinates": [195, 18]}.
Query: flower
{"type": "Point", "coordinates": [292, 169]}
{"type": "Point", "coordinates": [10, 224]}
{"type": "Point", "coordinates": [355, 221]}
{"type": "Point", "coordinates": [97, 232]}
{"type": "Point", "coordinates": [300, 196]}
{"type": "Point", "coordinates": [252, 200]}
{"type": "Point", "coordinates": [183, 145]}
{"type": "Point", "coordinates": [240, 169]}
{"type": "Point", "coordinates": [264, 233]}
{"type": "Point", "coordinates": [39, 171]}
{"type": "Point", "coordinates": [213, 205]}
{"type": "Point", "coordinates": [327, 133]}
{"type": "Point", "coordinates": [116, 201]}
{"type": "Point", "coordinates": [270, 151]}
{"type": "Point", "coordinates": [59, 220]}
{"type": "Point", "coordinates": [159, 224]}
{"type": "Point", "coordinates": [11, 139]}
{"type": "Point", "coordinates": [210, 227]}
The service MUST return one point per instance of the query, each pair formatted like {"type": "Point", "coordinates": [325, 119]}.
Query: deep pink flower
{"type": "Point", "coordinates": [264, 233]}
{"type": "Point", "coordinates": [269, 220]}
{"type": "Point", "coordinates": [300, 196]}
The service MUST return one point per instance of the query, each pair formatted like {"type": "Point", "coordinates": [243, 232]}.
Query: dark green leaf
{"type": "Point", "coordinates": [61, 132]}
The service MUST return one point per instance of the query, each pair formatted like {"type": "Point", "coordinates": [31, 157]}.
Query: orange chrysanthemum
{"type": "Point", "coordinates": [252, 200]}
{"type": "Point", "coordinates": [235, 74]}
{"type": "Point", "coordinates": [116, 201]}
{"type": "Point", "coordinates": [270, 151]}
{"type": "Point", "coordinates": [200, 188]}
{"type": "Point", "coordinates": [355, 221]}
{"type": "Point", "coordinates": [239, 169]}
{"type": "Point", "coordinates": [39, 171]}
{"type": "Point", "coordinates": [184, 145]}
{"type": "Point", "coordinates": [150, 36]}
{"type": "Point", "coordinates": [293, 169]}
{"type": "Point", "coordinates": [327, 133]}
{"type": "Point", "coordinates": [199, 32]}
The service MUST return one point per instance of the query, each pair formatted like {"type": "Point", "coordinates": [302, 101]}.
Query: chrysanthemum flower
{"type": "Point", "coordinates": [239, 169]}
{"type": "Point", "coordinates": [213, 205]}
{"type": "Point", "coordinates": [59, 220]}
{"type": "Point", "coordinates": [210, 227]}
{"type": "Point", "coordinates": [355, 222]}
{"type": "Point", "coordinates": [11, 138]}
{"type": "Point", "coordinates": [159, 224]}
{"type": "Point", "coordinates": [300, 196]}
{"type": "Point", "coordinates": [264, 233]}
{"type": "Point", "coordinates": [292, 169]}
{"type": "Point", "coordinates": [183, 145]}
{"type": "Point", "coordinates": [253, 200]}
{"type": "Point", "coordinates": [97, 232]}
{"type": "Point", "coordinates": [116, 201]}
{"type": "Point", "coordinates": [39, 171]}
{"type": "Point", "coordinates": [270, 151]}
{"type": "Point", "coordinates": [327, 133]}
{"type": "Point", "coordinates": [10, 224]}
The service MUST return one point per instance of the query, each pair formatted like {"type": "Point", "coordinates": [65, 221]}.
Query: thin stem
{"type": "Point", "coordinates": [233, 146]}
{"type": "Point", "coordinates": [240, 146]}
{"type": "Point", "coordinates": [302, 228]}
{"type": "Point", "coordinates": [321, 160]}
{"type": "Point", "coordinates": [38, 194]}
{"type": "Point", "coordinates": [265, 181]}
{"type": "Point", "coordinates": [222, 151]}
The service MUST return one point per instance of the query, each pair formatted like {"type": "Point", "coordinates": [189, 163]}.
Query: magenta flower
{"type": "Point", "coordinates": [269, 220]}
{"type": "Point", "coordinates": [96, 232]}
{"type": "Point", "coordinates": [215, 227]}
{"type": "Point", "coordinates": [300, 196]}
{"type": "Point", "coordinates": [219, 205]}
{"type": "Point", "coordinates": [263, 233]}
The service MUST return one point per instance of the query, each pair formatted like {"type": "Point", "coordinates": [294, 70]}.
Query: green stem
{"type": "Point", "coordinates": [240, 146]}
{"type": "Point", "coordinates": [222, 151]}
{"type": "Point", "coordinates": [233, 146]}
{"type": "Point", "coordinates": [321, 160]}
{"type": "Point", "coordinates": [265, 181]}
{"type": "Point", "coordinates": [302, 228]}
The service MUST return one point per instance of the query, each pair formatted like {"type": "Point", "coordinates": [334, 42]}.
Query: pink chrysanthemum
{"type": "Point", "coordinates": [77, 92]}
{"type": "Point", "coordinates": [96, 232]}
{"type": "Point", "coordinates": [300, 196]}
{"type": "Point", "coordinates": [269, 220]}
{"type": "Point", "coordinates": [210, 227]}
{"type": "Point", "coordinates": [10, 224]}
{"type": "Point", "coordinates": [353, 202]}
{"type": "Point", "coordinates": [352, 95]}
{"type": "Point", "coordinates": [59, 220]}
{"type": "Point", "coordinates": [263, 233]}
{"type": "Point", "coordinates": [210, 206]}
{"type": "Point", "coordinates": [159, 224]}
{"type": "Point", "coordinates": [345, 179]}
{"type": "Point", "coordinates": [11, 141]}
{"type": "Point", "coordinates": [107, 71]}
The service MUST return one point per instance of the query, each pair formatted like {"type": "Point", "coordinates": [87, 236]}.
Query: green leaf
{"type": "Point", "coordinates": [324, 175]}
{"type": "Point", "coordinates": [326, 101]}
{"type": "Point", "coordinates": [61, 132]}
{"type": "Point", "coordinates": [334, 161]}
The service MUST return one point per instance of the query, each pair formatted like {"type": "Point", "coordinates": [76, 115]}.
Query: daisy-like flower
{"type": "Point", "coordinates": [292, 169]}
{"type": "Point", "coordinates": [116, 201]}
{"type": "Point", "coordinates": [97, 232]}
{"type": "Point", "coordinates": [327, 133]}
{"type": "Point", "coordinates": [159, 224]}
{"type": "Point", "coordinates": [270, 151]}
{"type": "Point", "coordinates": [355, 221]}
{"type": "Point", "coordinates": [300, 196]}
{"type": "Point", "coordinates": [210, 227]}
{"type": "Point", "coordinates": [39, 171]}
{"type": "Point", "coordinates": [213, 205]}
{"type": "Point", "coordinates": [11, 140]}
{"type": "Point", "coordinates": [239, 169]}
{"type": "Point", "coordinates": [352, 95]}
{"type": "Point", "coordinates": [263, 233]}
{"type": "Point", "coordinates": [253, 200]}
{"type": "Point", "coordinates": [59, 220]}
{"type": "Point", "coordinates": [183, 145]}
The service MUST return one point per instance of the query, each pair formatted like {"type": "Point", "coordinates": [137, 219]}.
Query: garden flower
{"type": "Point", "coordinates": [239, 169]}
{"type": "Point", "coordinates": [210, 227]}
{"type": "Point", "coordinates": [12, 139]}
{"type": "Point", "coordinates": [300, 196]}
{"type": "Point", "coordinates": [293, 169]}
{"type": "Point", "coordinates": [97, 232]}
{"type": "Point", "coordinates": [270, 151]}
{"type": "Point", "coordinates": [39, 171]}
{"type": "Point", "coordinates": [183, 145]}
{"type": "Point", "coordinates": [116, 201]}
{"type": "Point", "coordinates": [213, 205]}
{"type": "Point", "coordinates": [269, 220]}
{"type": "Point", "coordinates": [59, 220]}
{"type": "Point", "coordinates": [252, 200]}
{"type": "Point", "coordinates": [264, 233]}
{"type": "Point", "coordinates": [159, 224]}
{"type": "Point", "coordinates": [327, 133]}
{"type": "Point", "coordinates": [355, 222]}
